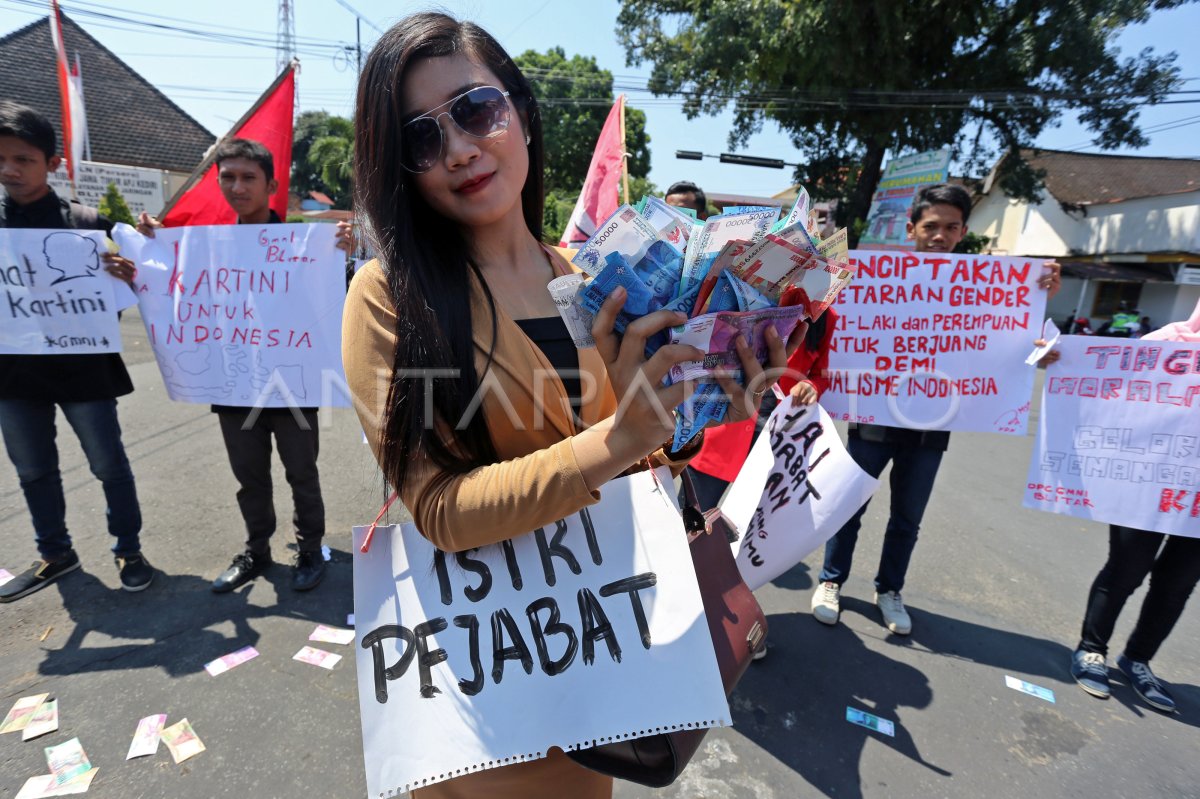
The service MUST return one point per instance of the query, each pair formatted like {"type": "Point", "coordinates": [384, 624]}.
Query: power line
{"type": "Point", "coordinates": [361, 16]}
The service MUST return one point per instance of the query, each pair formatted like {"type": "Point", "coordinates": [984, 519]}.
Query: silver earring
{"type": "Point", "coordinates": [527, 139]}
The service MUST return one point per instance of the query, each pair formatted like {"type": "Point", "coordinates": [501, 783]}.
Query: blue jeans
{"type": "Point", "coordinates": [29, 436]}
{"type": "Point", "coordinates": [914, 469]}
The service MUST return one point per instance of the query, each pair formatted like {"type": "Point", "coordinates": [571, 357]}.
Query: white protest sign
{"type": "Point", "coordinates": [797, 488]}
{"type": "Point", "coordinates": [243, 315]}
{"type": "Point", "coordinates": [58, 300]}
{"type": "Point", "coordinates": [1118, 438]}
{"type": "Point", "coordinates": [936, 341]}
{"type": "Point", "coordinates": [588, 630]}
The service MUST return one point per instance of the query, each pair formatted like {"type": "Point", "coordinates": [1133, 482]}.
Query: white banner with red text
{"type": "Point", "coordinates": [1119, 437]}
{"type": "Point", "coordinates": [243, 315]}
{"type": "Point", "coordinates": [936, 341]}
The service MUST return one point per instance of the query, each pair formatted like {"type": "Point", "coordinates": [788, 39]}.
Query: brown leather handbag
{"type": "Point", "coordinates": [738, 628]}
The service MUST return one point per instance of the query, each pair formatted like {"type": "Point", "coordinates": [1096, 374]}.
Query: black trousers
{"type": "Point", "coordinates": [1174, 569]}
{"type": "Point", "coordinates": [249, 453]}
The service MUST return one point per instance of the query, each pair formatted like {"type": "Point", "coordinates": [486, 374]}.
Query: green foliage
{"type": "Point", "coordinates": [850, 81]}
{"type": "Point", "coordinates": [556, 213]}
{"type": "Point", "coordinates": [296, 218]}
{"type": "Point", "coordinates": [322, 156]}
{"type": "Point", "coordinates": [973, 244]}
{"type": "Point", "coordinates": [575, 96]}
{"type": "Point", "coordinates": [113, 206]}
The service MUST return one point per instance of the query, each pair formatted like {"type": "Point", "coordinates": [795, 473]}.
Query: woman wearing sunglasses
{"type": "Point", "coordinates": [480, 410]}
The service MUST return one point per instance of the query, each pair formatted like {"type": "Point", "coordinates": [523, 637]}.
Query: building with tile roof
{"type": "Point", "coordinates": [1125, 228]}
{"type": "Point", "coordinates": [130, 122]}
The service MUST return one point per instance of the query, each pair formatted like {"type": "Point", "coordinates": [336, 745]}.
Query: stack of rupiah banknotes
{"type": "Point", "coordinates": [739, 272]}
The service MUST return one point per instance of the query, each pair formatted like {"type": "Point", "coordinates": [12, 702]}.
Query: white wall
{"type": "Point", "coordinates": [1147, 225]}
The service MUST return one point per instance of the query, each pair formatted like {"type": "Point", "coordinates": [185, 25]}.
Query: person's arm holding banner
{"type": "Point", "coordinates": [346, 241]}
{"type": "Point", "coordinates": [1051, 281]}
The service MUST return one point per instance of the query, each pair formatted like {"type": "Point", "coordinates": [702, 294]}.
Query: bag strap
{"type": "Point", "coordinates": [694, 522]}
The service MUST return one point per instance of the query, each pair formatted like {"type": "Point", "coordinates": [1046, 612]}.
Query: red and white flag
{"type": "Point", "coordinates": [598, 200]}
{"type": "Point", "coordinates": [74, 119]}
{"type": "Point", "coordinates": [268, 122]}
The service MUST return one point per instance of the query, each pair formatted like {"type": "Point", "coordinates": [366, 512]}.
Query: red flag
{"type": "Point", "coordinates": [268, 122]}
{"type": "Point", "coordinates": [598, 200]}
{"type": "Point", "coordinates": [73, 119]}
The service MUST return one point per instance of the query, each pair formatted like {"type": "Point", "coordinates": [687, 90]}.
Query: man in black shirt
{"type": "Point", "coordinates": [85, 387]}
{"type": "Point", "coordinates": [938, 222]}
{"type": "Point", "coordinates": [245, 173]}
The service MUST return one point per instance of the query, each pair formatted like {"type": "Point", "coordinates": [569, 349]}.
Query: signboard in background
{"type": "Point", "coordinates": [894, 195]}
{"type": "Point", "coordinates": [590, 629]}
{"type": "Point", "coordinates": [1117, 438]}
{"type": "Point", "coordinates": [55, 297]}
{"type": "Point", "coordinates": [142, 188]}
{"type": "Point", "coordinates": [243, 315]}
{"type": "Point", "coordinates": [936, 341]}
{"type": "Point", "coordinates": [797, 488]}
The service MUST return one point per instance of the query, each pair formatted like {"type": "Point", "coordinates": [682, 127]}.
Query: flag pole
{"type": "Point", "coordinates": [624, 154]}
{"type": "Point", "coordinates": [200, 171]}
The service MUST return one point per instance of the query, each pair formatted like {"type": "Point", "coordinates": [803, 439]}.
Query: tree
{"type": "Point", "coordinates": [575, 96]}
{"type": "Point", "coordinates": [113, 206]}
{"type": "Point", "coordinates": [851, 81]}
{"type": "Point", "coordinates": [322, 156]}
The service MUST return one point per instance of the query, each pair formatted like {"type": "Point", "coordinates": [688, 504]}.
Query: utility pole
{"type": "Point", "coordinates": [285, 41]}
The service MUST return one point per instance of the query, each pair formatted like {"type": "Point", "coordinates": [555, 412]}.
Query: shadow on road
{"type": "Point", "coordinates": [793, 704]}
{"type": "Point", "coordinates": [168, 625]}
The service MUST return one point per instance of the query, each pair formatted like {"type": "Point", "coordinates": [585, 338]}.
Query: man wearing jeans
{"type": "Point", "coordinates": [85, 387]}
{"type": "Point", "coordinates": [937, 224]}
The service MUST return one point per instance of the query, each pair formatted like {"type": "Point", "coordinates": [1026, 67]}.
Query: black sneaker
{"type": "Point", "coordinates": [245, 567]}
{"type": "Point", "coordinates": [1145, 684]}
{"type": "Point", "coordinates": [38, 576]}
{"type": "Point", "coordinates": [136, 572]}
{"type": "Point", "coordinates": [308, 571]}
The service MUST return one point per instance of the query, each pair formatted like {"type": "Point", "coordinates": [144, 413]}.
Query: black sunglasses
{"type": "Point", "coordinates": [480, 112]}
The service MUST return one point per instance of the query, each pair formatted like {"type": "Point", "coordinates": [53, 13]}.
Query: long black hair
{"type": "Point", "coordinates": [427, 258]}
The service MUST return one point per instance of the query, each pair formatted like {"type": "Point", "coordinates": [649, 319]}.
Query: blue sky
{"type": "Point", "coordinates": [215, 81]}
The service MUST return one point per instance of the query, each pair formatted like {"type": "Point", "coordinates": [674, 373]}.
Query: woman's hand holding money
{"type": "Point", "coordinates": [744, 401]}
{"type": "Point", "coordinates": [644, 416]}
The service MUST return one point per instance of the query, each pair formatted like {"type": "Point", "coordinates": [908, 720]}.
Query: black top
{"type": "Point", "coordinates": [932, 439]}
{"type": "Point", "coordinates": [552, 337]}
{"type": "Point", "coordinates": [59, 378]}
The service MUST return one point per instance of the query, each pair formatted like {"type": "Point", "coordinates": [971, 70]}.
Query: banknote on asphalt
{"type": "Point", "coordinates": [43, 786]}
{"type": "Point", "coordinates": [227, 662]}
{"type": "Point", "coordinates": [182, 741]}
{"type": "Point", "coordinates": [21, 712]}
{"type": "Point", "coordinates": [317, 657]}
{"type": "Point", "coordinates": [44, 720]}
{"type": "Point", "coordinates": [705, 245]}
{"type": "Point", "coordinates": [331, 635]}
{"type": "Point", "coordinates": [625, 232]}
{"type": "Point", "coordinates": [146, 737]}
{"type": "Point", "coordinates": [67, 761]}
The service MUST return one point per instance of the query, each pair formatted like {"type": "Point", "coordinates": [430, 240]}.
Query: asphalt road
{"type": "Point", "coordinates": [994, 590]}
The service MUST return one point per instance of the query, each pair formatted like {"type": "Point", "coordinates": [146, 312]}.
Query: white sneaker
{"type": "Point", "coordinates": [826, 603]}
{"type": "Point", "coordinates": [895, 617]}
